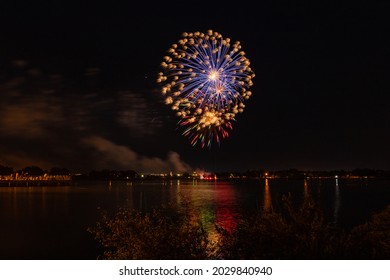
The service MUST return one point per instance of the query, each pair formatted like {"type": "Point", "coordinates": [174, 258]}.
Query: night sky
{"type": "Point", "coordinates": [78, 85]}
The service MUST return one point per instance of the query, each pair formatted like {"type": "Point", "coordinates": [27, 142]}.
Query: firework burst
{"type": "Point", "coordinates": [205, 79]}
{"type": "Point", "coordinates": [207, 127]}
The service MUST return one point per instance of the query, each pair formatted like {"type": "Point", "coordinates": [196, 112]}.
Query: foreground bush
{"type": "Point", "coordinates": [161, 234]}
{"type": "Point", "coordinates": [372, 239]}
{"type": "Point", "coordinates": [297, 233]}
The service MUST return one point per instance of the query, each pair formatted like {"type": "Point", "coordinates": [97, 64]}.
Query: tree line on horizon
{"type": "Point", "coordinates": [112, 174]}
{"type": "Point", "coordinates": [34, 171]}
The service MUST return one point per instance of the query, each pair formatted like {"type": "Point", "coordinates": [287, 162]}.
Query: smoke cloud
{"type": "Point", "coordinates": [111, 154]}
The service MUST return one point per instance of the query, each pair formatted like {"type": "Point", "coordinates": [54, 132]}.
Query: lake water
{"type": "Point", "coordinates": [51, 222]}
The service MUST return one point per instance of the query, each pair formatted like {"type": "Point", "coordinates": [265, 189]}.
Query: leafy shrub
{"type": "Point", "coordinates": [161, 234]}
{"type": "Point", "coordinates": [371, 240]}
{"type": "Point", "coordinates": [297, 233]}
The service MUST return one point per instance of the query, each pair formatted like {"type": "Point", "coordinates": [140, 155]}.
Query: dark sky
{"type": "Point", "coordinates": [78, 85]}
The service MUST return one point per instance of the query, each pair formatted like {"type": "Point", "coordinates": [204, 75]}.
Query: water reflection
{"type": "Point", "coordinates": [226, 205]}
{"type": "Point", "coordinates": [306, 190]}
{"type": "Point", "coordinates": [267, 201]}
{"type": "Point", "coordinates": [51, 222]}
{"type": "Point", "coordinates": [337, 202]}
{"type": "Point", "coordinates": [19, 202]}
{"type": "Point", "coordinates": [210, 203]}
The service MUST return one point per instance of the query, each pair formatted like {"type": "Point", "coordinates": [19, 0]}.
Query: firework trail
{"type": "Point", "coordinates": [205, 79]}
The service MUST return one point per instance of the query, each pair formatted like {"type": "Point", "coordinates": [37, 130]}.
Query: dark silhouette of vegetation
{"type": "Point", "coordinates": [162, 234]}
{"type": "Point", "coordinates": [293, 233]}
{"type": "Point", "coordinates": [292, 173]}
{"type": "Point", "coordinates": [59, 171]}
{"type": "Point", "coordinates": [107, 174]}
{"type": "Point", "coordinates": [371, 240]}
{"type": "Point", "coordinates": [32, 171]}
